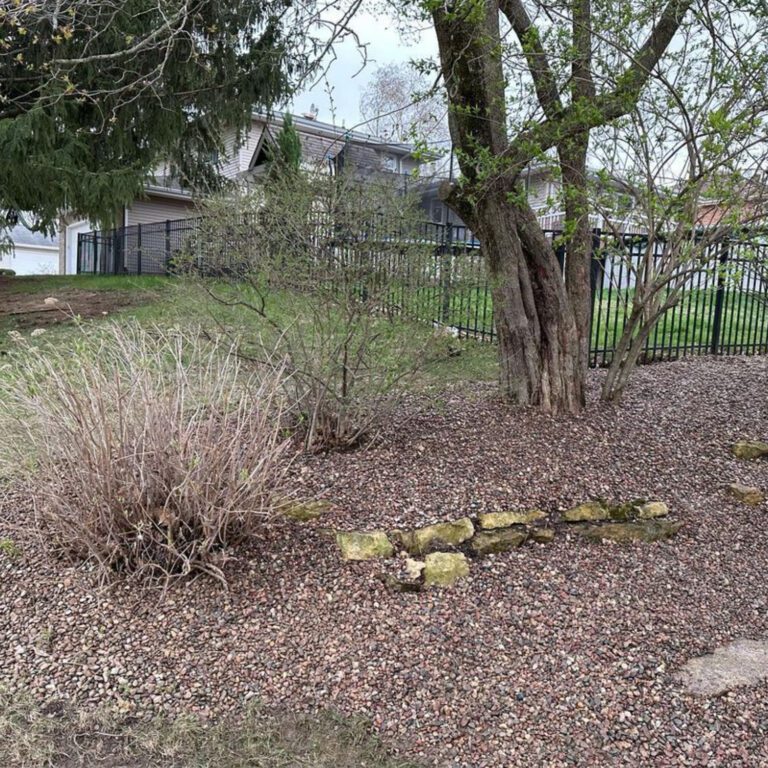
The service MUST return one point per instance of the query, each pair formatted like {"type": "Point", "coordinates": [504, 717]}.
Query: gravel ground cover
{"type": "Point", "coordinates": [551, 655]}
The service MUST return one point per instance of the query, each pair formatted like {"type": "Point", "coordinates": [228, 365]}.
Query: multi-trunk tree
{"type": "Point", "coordinates": [584, 72]}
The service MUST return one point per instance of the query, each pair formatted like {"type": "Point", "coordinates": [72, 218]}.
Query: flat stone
{"type": "Point", "coordinates": [358, 545]}
{"type": "Point", "coordinates": [543, 535]}
{"type": "Point", "coordinates": [443, 569]}
{"type": "Point", "coordinates": [438, 536]}
{"type": "Point", "coordinates": [491, 520]}
{"type": "Point", "coordinates": [651, 510]}
{"type": "Point", "coordinates": [590, 510]}
{"type": "Point", "coordinates": [305, 511]}
{"type": "Point", "coordinates": [747, 494]}
{"type": "Point", "coordinates": [493, 542]}
{"type": "Point", "coordinates": [749, 449]}
{"type": "Point", "coordinates": [742, 662]}
{"type": "Point", "coordinates": [623, 533]}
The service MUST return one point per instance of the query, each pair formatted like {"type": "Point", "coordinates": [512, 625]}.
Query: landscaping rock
{"type": "Point", "coordinates": [491, 520]}
{"type": "Point", "coordinates": [493, 542]}
{"type": "Point", "coordinates": [436, 537]}
{"type": "Point", "coordinates": [651, 510]}
{"type": "Point", "coordinates": [305, 511]}
{"type": "Point", "coordinates": [543, 535]}
{"type": "Point", "coordinates": [747, 494]}
{"type": "Point", "coordinates": [443, 569]}
{"type": "Point", "coordinates": [590, 510]}
{"type": "Point", "coordinates": [357, 545]}
{"type": "Point", "coordinates": [414, 568]}
{"type": "Point", "coordinates": [749, 449]}
{"type": "Point", "coordinates": [742, 662]}
{"type": "Point", "coordinates": [647, 531]}
{"type": "Point", "coordinates": [400, 585]}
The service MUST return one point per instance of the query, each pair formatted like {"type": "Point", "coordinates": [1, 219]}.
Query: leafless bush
{"type": "Point", "coordinates": [320, 262]}
{"type": "Point", "coordinates": [147, 451]}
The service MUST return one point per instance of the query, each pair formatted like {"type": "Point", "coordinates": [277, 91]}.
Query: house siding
{"type": "Point", "coordinates": [538, 192]}
{"type": "Point", "coordinates": [230, 158]}
{"type": "Point", "coordinates": [155, 209]}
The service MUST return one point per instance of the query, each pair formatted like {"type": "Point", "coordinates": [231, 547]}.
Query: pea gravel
{"type": "Point", "coordinates": [552, 655]}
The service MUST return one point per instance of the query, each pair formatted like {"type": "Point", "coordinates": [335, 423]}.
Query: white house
{"type": "Point", "coordinates": [32, 253]}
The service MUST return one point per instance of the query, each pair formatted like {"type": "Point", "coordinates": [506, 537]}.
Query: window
{"type": "Point", "coordinates": [389, 163]}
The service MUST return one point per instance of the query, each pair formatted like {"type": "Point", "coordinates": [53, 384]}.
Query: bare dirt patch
{"type": "Point", "coordinates": [557, 655]}
{"type": "Point", "coordinates": [23, 310]}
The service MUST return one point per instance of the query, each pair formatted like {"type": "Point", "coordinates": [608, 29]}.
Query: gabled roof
{"type": "Point", "coordinates": [305, 125]}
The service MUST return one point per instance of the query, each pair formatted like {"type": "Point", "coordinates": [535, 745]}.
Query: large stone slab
{"type": "Point", "coordinates": [444, 569]}
{"type": "Point", "coordinates": [598, 511]}
{"type": "Point", "coordinates": [742, 662]}
{"type": "Point", "coordinates": [624, 533]}
{"type": "Point", "coordinates": [436, 537]}
{"type": "Point", "coordinates": [492, 520]}
{"type": "Point", "coordinates": [588, 511]}
{"type": "Point", "coordinates": [749, 449]}
{"type": "Point", "coordinates": [304, 511]}
{"type": "Point", "coordinates": [359, 545]}
{"type": "Point", "coordinates": [543, 535]}
{"type": "Point", "coordinates": [746, 494]}
{"type": "Point", "coordinates": [651, 510]}
{"type": "Point", "coordinates": [493, 542]}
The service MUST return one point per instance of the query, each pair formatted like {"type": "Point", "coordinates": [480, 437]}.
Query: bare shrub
{"type": "Point", "coordinates": [146, 451]}
{"type": "Point", "coordinates": [322, 264]}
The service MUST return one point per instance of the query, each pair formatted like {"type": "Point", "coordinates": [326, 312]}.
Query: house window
{"type": "Point", "coordinates": [437, 211]}
{"type": "Point", "coordinates": [389, 163]}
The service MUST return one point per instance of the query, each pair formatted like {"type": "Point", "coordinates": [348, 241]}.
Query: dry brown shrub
{"type": "Point", "coordinates": [144, 451]}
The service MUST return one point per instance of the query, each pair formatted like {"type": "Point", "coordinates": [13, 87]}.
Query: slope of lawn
{"type": "Point", "coordinates": [172, 301]}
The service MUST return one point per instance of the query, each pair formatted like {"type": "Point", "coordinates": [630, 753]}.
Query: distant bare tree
{"type": "Point", "coordinates": [400, 103]}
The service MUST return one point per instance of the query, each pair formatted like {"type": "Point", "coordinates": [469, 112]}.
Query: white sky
{"type": "Point", "coordinates": [385, 46]}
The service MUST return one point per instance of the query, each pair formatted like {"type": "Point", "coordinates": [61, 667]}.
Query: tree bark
{"type": "Point", "coordinates": [538, 337]}
{"type": "Point", "coordinates": [578, 235]}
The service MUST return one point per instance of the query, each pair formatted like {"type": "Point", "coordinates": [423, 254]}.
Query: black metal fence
{"type": "Point", "coordinates": [722, 309]}
{"type": "Point", "coordinates": [142, 249]}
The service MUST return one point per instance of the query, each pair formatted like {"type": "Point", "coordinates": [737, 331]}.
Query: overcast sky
{"type": "Point", "coordinates": [384, 46]}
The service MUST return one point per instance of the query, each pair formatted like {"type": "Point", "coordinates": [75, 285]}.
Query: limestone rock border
{"type": "Point", "coordinates": [633, 521]}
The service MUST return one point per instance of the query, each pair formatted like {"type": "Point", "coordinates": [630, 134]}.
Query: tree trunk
{"type": "Point", "coordinates": [578, 234]}
{"type": "Point", "coordinates": [538, 339]}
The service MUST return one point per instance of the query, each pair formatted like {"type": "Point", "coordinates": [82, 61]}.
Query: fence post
{"type": "Point", "coordinates": [717, 321]}
{"type": "Point", "coordinates": [138, 249]}
{"type": "Point", "coordinates": [167, 245]}
{"type": "Point", "coordinates": [445, 272]}
{"type": "Point", "coordinates": [596, 270]}
{"type": "Point", "coordinates": [79, 249]}
{"type": "Point", "coordinates": [560, 255]}
{"type": "Point", "coordinates": [596, 262]}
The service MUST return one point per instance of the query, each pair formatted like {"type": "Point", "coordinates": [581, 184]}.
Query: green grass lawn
{"type": "Point", "coordinates": [688, 327]}
{"type": "Point", "coordinates": [175, 301]}
{"type": "Point", "coordinates": [685, 329]}
{"type": "Point", "coordinates": [49, 284]}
